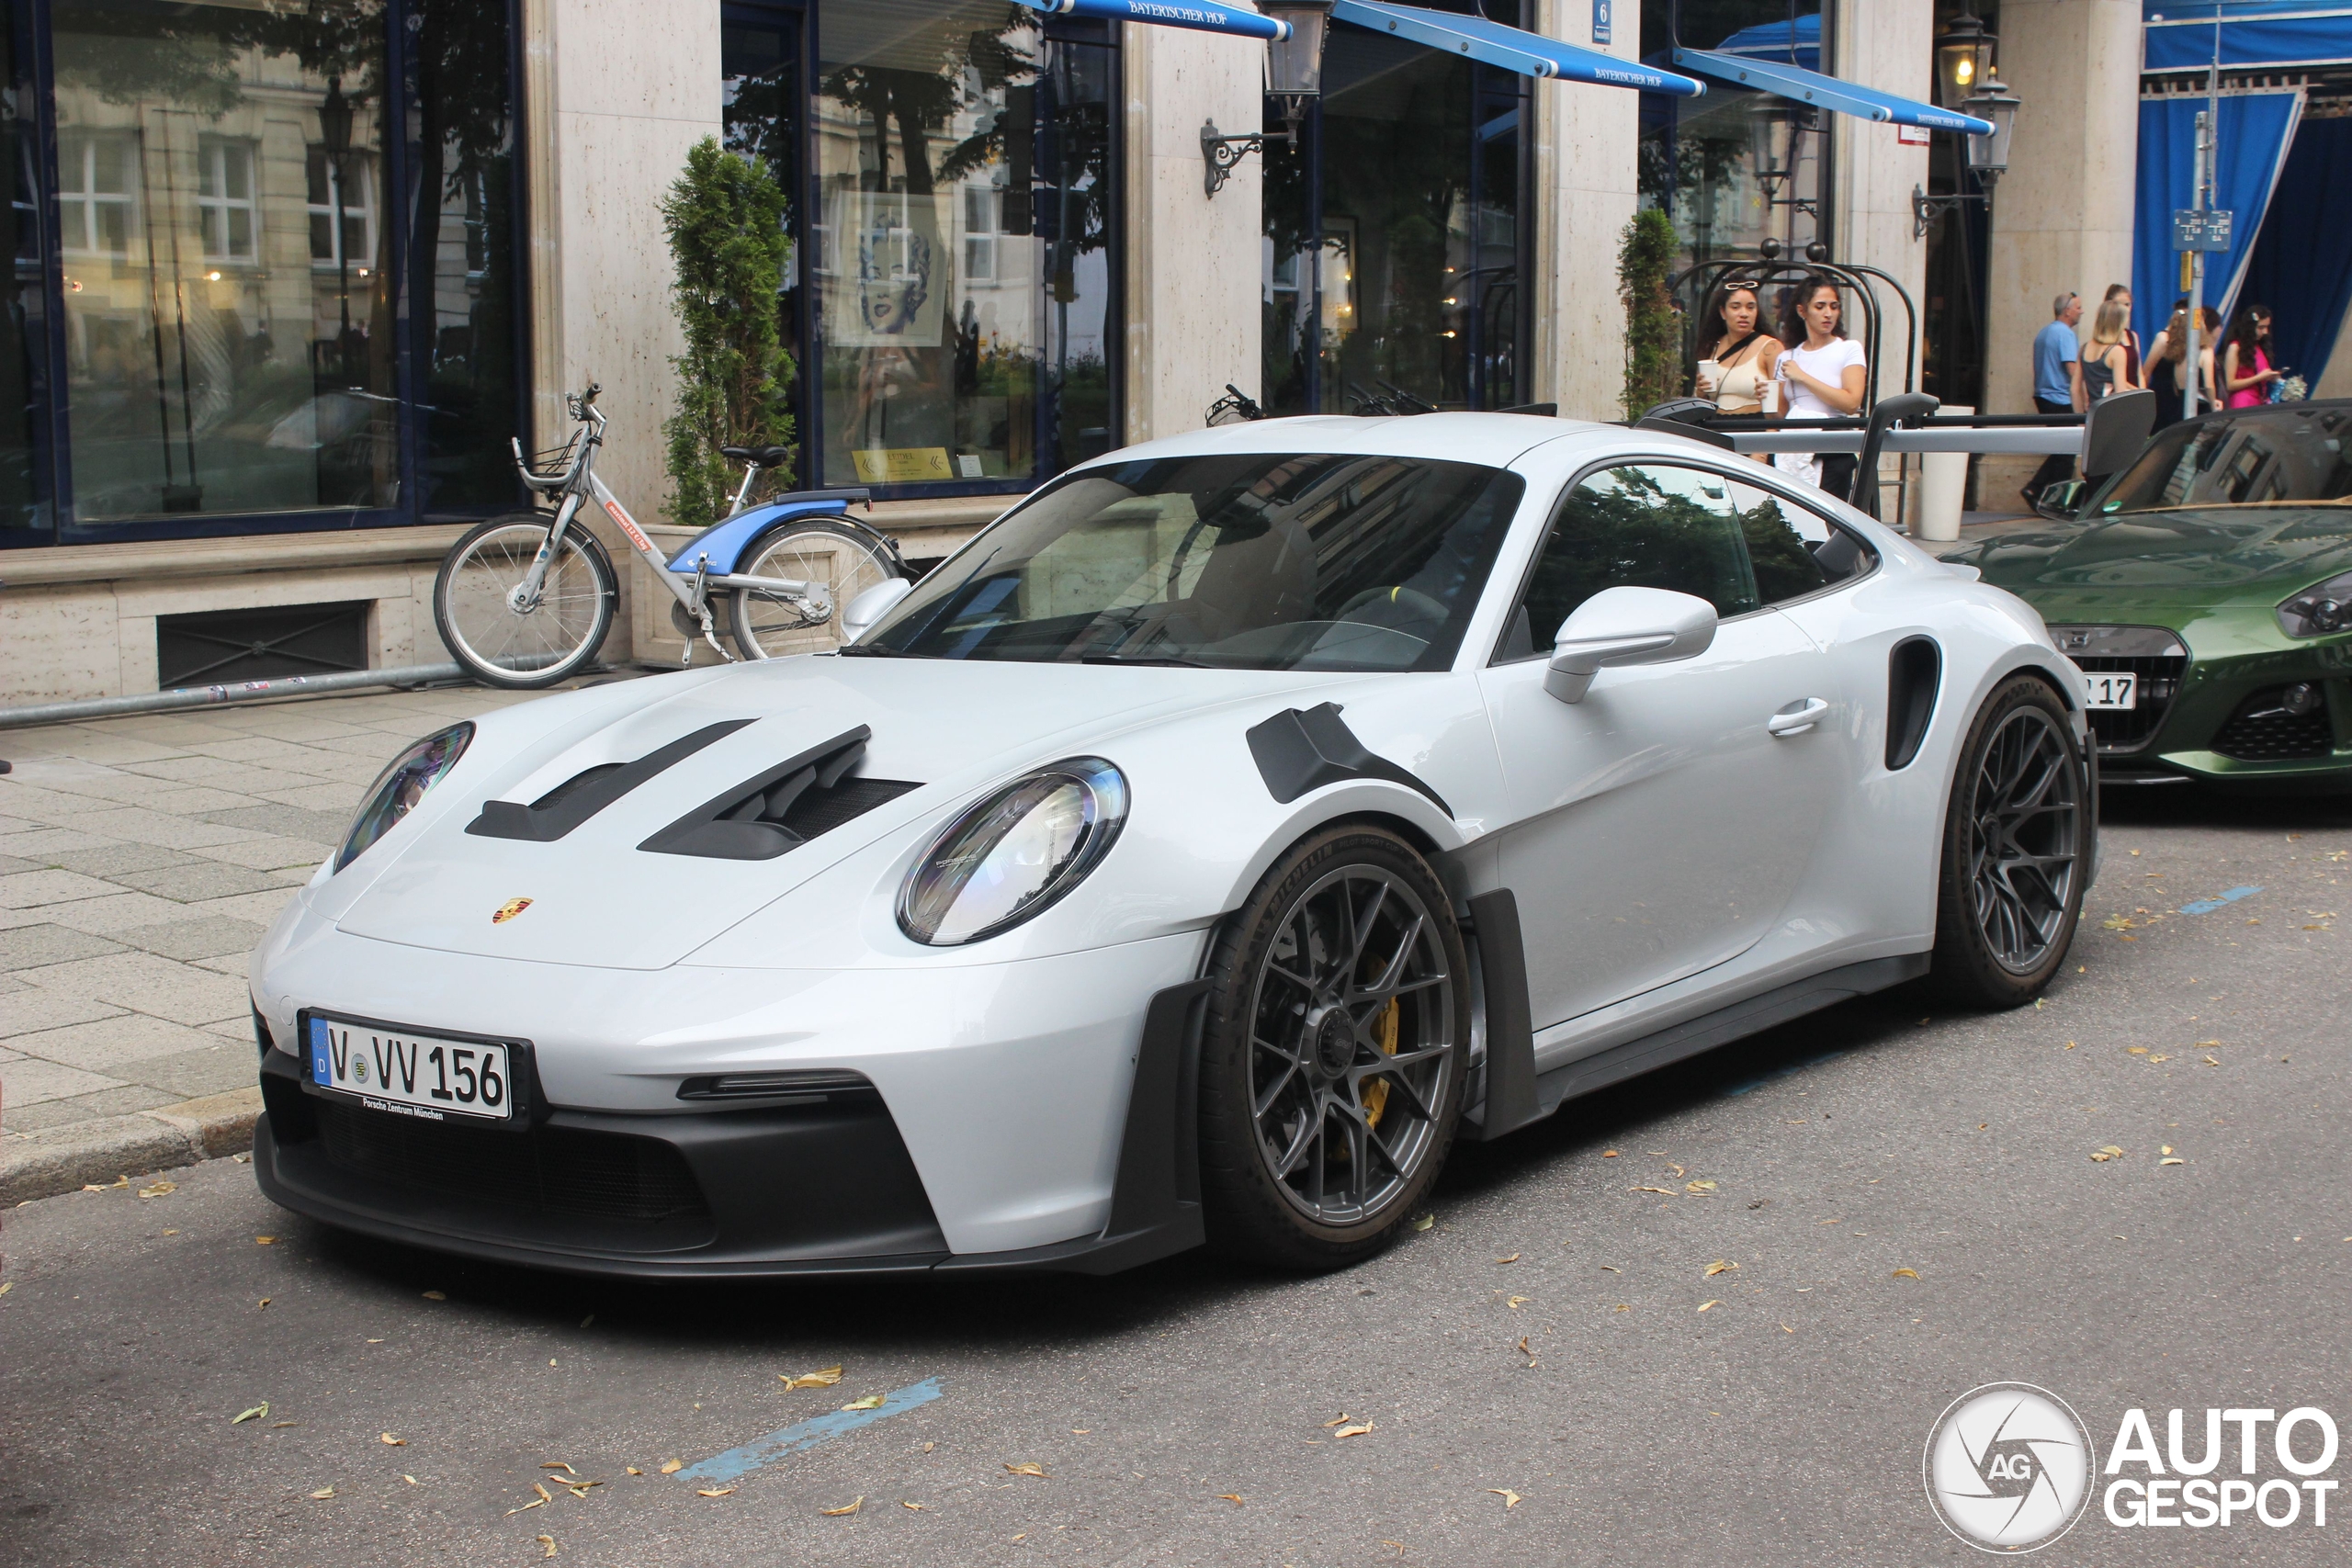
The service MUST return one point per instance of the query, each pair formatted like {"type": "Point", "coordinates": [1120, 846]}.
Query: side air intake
{"type": "Point", "coordinates": [1915, 670]}
{"type": "Point", "coordinates": [785, 806]}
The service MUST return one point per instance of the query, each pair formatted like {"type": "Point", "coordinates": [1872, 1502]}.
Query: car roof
{"type": "Point", "coordinates": [1495, 439]}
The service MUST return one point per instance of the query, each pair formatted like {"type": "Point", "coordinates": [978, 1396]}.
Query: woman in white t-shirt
{"type": "Point", "coordinates": [1821, 378]}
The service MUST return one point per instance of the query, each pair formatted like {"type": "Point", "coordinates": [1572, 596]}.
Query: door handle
{"type": "Point", "coordinates": [1797, 718]}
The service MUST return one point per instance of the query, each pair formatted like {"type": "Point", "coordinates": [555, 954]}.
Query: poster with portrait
{"type": "Point", "coordinates": [891, 274]}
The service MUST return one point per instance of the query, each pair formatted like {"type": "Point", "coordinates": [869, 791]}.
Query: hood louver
{"type": "Point", "coordinates": [584, 794]}
{"type": "Point", "coordinates": [786, 806]}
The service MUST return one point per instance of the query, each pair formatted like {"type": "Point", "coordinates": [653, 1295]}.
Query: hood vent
{"type": "Point", "coordinates": [584, 794]}
{"type": "Point", "coordinates": [786, 806]}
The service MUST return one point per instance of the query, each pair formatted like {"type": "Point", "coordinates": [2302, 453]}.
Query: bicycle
{"type": "Point", "coordinates": [525, 601]}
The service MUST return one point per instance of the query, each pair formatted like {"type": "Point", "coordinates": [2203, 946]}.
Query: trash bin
{"type": "Point", "coordinates": [1943, 484]}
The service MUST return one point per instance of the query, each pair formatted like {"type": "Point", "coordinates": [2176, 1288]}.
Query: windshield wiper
{"type": "Point", "coordinates": [875, 650]}
{"type": "Point", "coordinates": [1166, 658]}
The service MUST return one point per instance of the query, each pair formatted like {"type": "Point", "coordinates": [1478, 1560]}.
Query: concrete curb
{"type": "Point", "coordinates": [68, 1158]}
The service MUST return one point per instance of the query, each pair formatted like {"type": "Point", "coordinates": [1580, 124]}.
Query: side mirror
{"type": "Point", "coordinates": [870, 607]}
{"type": "Point", "coordinates": [2060, 501]}
{"type": "Point", "coordinates": [1626, 626]}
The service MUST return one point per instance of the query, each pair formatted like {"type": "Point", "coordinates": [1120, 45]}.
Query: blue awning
{"type": "Point", "coordinates": [1199, 15]}
{"type": "Point", "coordinates": [2254, 34]}
{"type": "Point", "coordinates": [1510, 48]}
{"type": "Point", "coordinates": [1794, 42]}
{"type": "Point", "coordinates": [1804, 86]}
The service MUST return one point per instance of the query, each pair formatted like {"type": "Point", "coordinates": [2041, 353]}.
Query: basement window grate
{"type": "Point", "coordinates": [220, 648]}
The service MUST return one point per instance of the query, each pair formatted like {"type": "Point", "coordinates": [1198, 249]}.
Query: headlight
{"type": "Point", "coordinates": [2319, 612]}
{"type": "Point", "coordinates": [399, 787]}
{"type": "Point", "coordinates": [1012, 854]}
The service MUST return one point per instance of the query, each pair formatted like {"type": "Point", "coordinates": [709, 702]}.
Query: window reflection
{"type": "Point", "coordinates": [210, 367]}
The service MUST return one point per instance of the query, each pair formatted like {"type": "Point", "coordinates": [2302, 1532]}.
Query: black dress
{"type": "Point", "coordinates": [2164, 379]}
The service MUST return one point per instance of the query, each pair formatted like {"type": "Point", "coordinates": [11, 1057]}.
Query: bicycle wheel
{"type": "Point", "coordinates": [524, 648]}
{"type": "Point", "coordinates": [841, 556]}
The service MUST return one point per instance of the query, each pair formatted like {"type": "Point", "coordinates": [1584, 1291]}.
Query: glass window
{"type": "Point", "coordinates": [210, 369]}
{"type": "Point", "coordinates": [1645, 525]}
{"type": "Point", "coordinates": [2288, 455]}
{"type": "Point", "coordinates": [24, 312]}
{"type": "Point", "coordinates": [961, 243]}
{"type": "Point", "coordinates": [1255, 561]}
{"type": "Point", "coordinates": [1392, 230]}
{"type": "Point", "coordinates": [1792, 550]}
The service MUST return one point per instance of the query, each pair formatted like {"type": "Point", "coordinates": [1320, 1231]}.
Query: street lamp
{"type": "Point", "coordinates": [1964, 61]}
{"type": "Point", "coordinates": [1988, 155]}
{"type": "Point", "coordinates": [334, 134]}
{"type": "Point", "coordinates": [1293, 80]}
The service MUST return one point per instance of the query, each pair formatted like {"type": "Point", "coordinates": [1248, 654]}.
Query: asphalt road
{"type": "Point", "coordinates": [1553, 1334]}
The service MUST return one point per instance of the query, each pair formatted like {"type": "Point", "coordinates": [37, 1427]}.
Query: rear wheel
{"type": "Point", "coordinates": [835, 555]}
{"type": "Point", "coordinates": [2017, 855]}
{"type": "Point", "coordinates": [491, 630]}
{"type": "Point", "coordinates": [1333, 1057]}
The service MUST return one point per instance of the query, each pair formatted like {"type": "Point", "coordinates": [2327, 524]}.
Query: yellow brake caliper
{"type": "Point", "coordinates": [1376, 1090]}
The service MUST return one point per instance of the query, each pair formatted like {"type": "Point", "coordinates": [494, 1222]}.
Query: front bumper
{"type": "Point", "coordinates": [2224, 717]}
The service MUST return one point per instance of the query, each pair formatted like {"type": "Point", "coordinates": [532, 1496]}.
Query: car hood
{"type": "Point", "coordinates": [2189, 559]}
{"type": "Point", "coordinates": [945, 729]}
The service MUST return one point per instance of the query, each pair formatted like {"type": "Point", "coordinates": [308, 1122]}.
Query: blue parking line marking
{"type": "Point", "coordinates": [2207, 906]}
{"type": "Point", "coordinates": [736, 1463]}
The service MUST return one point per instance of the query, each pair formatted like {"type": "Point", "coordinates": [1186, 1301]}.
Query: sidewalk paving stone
{"type": "Point", "coordinates": [188, 883]}
{"type": "Point", "coordinates": [28, 947]}
{"type": "Point", "coordinates": [119, 1047]}
{"type": "Point", "coordinates": [29, 889]}
{"type": "Point", "coordinates": [146, 983]}
{"type": "Point", "coordinates": [26, 1009]}
{"type": "Point", "coordinates": [212, 936]}
{"type": "Point", "coordinates": [109, 916]}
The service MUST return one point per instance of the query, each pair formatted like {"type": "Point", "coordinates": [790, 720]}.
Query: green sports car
{"type": "Point", "coordinates": [2206, 591]}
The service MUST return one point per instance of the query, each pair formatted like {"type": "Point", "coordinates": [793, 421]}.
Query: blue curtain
{"type": "Point", "coordinates": [2255, 131]}
{"type": "Point", "coordinates": [2253, 32]}
{"type": "Point", "coordinates": [2302, 260]}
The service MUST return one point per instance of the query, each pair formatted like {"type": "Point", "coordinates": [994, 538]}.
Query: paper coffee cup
{"type": "Point", "coordinates": [1710, 374]}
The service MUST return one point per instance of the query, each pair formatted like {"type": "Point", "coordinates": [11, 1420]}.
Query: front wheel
{"type": "Point", "coordinates": [835, 555]}
{"type": "Point", "coordinates": [501, 640]}
{"type": "Point", "coordinates": [1333, 1062]}
{"type": "Point", "coordinates": [2016, 850]}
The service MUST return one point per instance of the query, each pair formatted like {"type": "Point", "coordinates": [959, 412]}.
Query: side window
{"type": "Point", "coordinates": [1640, 525]}
{"type": "Point", "coordinates": [1792, 551]}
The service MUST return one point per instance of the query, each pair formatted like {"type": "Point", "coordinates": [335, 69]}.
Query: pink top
{"type": "Point", "coordinates": [2253, 397]}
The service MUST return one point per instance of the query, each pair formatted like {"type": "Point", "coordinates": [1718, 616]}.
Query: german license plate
{"type": "Point", "coordinates": [411, 1074]}
{"type": "Point", "coordinates": [2111, 691]}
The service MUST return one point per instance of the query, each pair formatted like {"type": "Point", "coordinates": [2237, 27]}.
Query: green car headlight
{"type": "Point", "coordinates": [400, 786]}
{"type": "Point", "coordinates": [2319, 612]}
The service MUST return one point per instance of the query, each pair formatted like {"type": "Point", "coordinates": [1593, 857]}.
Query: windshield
{"type": "Point", "coordinates": [2283, 455]}
{"type": "Point", "coordinates": [1240, 560]}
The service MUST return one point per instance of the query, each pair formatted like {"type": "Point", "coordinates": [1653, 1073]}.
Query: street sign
{"type": "Point", "coordinates": [1601, 21]}
{"type": "Point", "coordinates": [2205, 230]}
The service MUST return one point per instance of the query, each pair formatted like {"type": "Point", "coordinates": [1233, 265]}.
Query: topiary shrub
{"type": "Point", "coordinates": [725, 219]}
{"type": "Point", "coordinates": [1653, 332]}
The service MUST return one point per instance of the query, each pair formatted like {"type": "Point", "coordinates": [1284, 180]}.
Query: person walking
{"type": "Point", "coordinates": [2247, 370]}
{"type": "Point", "coordinates": [2167, 355]}
{"type": "Point", "coordinates": [1822, 379]}
{"type": "Point", "coordinates": [2057, 385]}
{"type": "Point", "coordinates": [2107, 363]}
{"type": "Point", "coordinates": [1735, 370]}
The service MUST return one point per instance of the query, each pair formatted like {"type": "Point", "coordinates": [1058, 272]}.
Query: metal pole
{"type": "Point", "coordinates": [208, 697]}
{"type": "Point", "coordinates": [2195, 272]}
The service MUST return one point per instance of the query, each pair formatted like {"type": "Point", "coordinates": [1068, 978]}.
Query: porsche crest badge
{"type": "Point", "coordinates": [508, 910]}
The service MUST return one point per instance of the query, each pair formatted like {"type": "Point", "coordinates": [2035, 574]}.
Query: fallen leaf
{"type": "Point", "coordinates": [1668, 1192]}
{"type": "Point", "coordinates": [322, 1493]}
{"type": "Point", "coordinates": [558, 1464]}
{"type": "Point", "coordinates": [1718, 1267]}
{"type": "Point", "coordinates": [2101, 1156]}
{"type": "Point", "coordinates": [159, 1189]}
{"type": "Point", "coordinates": [871, 1402]}
{"type": "Point", "coordinates": [2137, 1051]}
{"type": "Point", "coordinates": [2165, 1150]}
{"type": "Point", "coordinates": [918, 1508]}
{"type": "Point", "coordinates": [1518, 1302]}
{"type": "Point", "coordinates": [274, 1426]}
{"type": "Point", "coordinates": [1232, 1497]}
{"type": "Point", "coordinates": [1905, 1274]}
{"type": "Point", "coordinates": [1609, 1154]}
{"type": "Point", "coordinates": [1340, 1420]}
{"type": "Point", "coordinates": [1354, 1429]}
{"type": "Point", "coordinates": [262, 1302]}
{"type": "Point", "coordinates": [1786, 1329]}
{"type": "Point", "coordinates": [265, 1241]}
{"type": "Point", "coordinates": [1612, 1269]}
{"type": "Point", "coordinates": [1623, 1306]}
{"type": "Point", "coordinates": [1511, 1498]}
{"type": "Point", "coordinates": [2160, 1058]}
{"type": "Point", "coordinates": [850, 1508]}
{"type": "Point", "coordinates": [634, 1471]}
{"type": "Point", "coordinates": [410, 1479]}
{"type": "Point", "coordinates": [1082, 1431]}
{"type": "Point", "coordinates": [1522, 1344]}
{"type": "Point", "coordinates": [825, 1379]}
{"type": "Point", "coordinates": [1031, 1468]}
{"type": "Point", "coordinates": [11, 1285]}
{"type": "Point", "coordinates": [1839, 1221]}
{"type": "Point", "coordinates": [392, 1442]}
{"type": "Point", "coordinates": [1425, 1222]}
{"type": "Point", "coordinates": [375, 1342]}
{"type": "Point", "coordinates": [535, 1503]}
{"type": "Point", "coordinates": [545, 1496]}
{"type": "Point", "coordinates": [1704, 1306]}
{"type": "Point", "coordinates": [672, 1467]}
{"type": "Point", "coordinates": [435, 1296]}
{"type": "Point", "coordinates": [580, 1489]}
{"type": "Point", "coordinates": [2172, 1162]}
{"type": "Point", "coordinates": [714, 1491]}
{"type": "Point", "coordinates": [1675, 1168]}
{"type": "Point", "coordinates": [1511, 1258]}
{"type": "Point", "coordinates": [547, 1541]}
{"type": "Point", "coordinates": [1698, 1187]}
{"type": "Point", "coordinates": [255, 1414]}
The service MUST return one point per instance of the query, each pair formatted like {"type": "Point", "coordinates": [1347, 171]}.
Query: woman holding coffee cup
{"type": "Point", "coordinates": [1737, 371]}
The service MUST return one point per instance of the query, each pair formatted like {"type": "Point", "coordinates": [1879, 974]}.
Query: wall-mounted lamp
{"type": "Point", "coordinates": [1988, 156]}
{"type": "Point", "coordinates": [1293, 80]}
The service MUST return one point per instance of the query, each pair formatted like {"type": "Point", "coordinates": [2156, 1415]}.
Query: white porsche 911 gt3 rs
{"type": "Point", "coordinates": [1195, 855]}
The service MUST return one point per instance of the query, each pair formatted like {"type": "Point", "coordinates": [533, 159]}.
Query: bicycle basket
{"type": "Point", "coordinates": [554, 463]}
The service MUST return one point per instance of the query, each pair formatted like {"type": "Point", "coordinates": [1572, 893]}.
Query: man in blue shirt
{"type": "Point", "coordinates": [2057, 385]}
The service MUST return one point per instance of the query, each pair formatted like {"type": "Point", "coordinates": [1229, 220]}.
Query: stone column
{"type": "Point", "coordinates": [1194, 268]}
{"type": "Point", "coordinates": [2061, 216]}
{"type": "Point", "coordinates": [1587, 147]}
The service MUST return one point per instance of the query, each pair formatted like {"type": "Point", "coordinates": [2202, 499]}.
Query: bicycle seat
{"type": "Point", "coordinates": [766, 456]}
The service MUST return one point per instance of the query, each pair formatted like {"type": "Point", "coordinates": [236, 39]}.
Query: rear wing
{"type": "Point", "coordinates": [2102, 442]}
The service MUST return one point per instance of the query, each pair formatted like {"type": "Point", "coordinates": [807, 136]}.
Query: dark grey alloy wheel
{"type": "Point", "coordinates": [1342, 1028]}
{"type": "Point", "coordinates": [2025, 833]}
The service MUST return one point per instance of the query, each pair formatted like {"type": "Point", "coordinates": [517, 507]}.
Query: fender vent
{"type": "Point", "coordinates": [1913, 672]}
{"type": "Point", "coordinates": [786, 806]}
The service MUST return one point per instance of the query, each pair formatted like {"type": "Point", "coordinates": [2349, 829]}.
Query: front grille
{"type": "Point", "coordinates": [2262, 730]}
{"type": "Point", "coordinates": [2122, 730]}
{"type": "Point", "coordinates": [566, 1170]}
